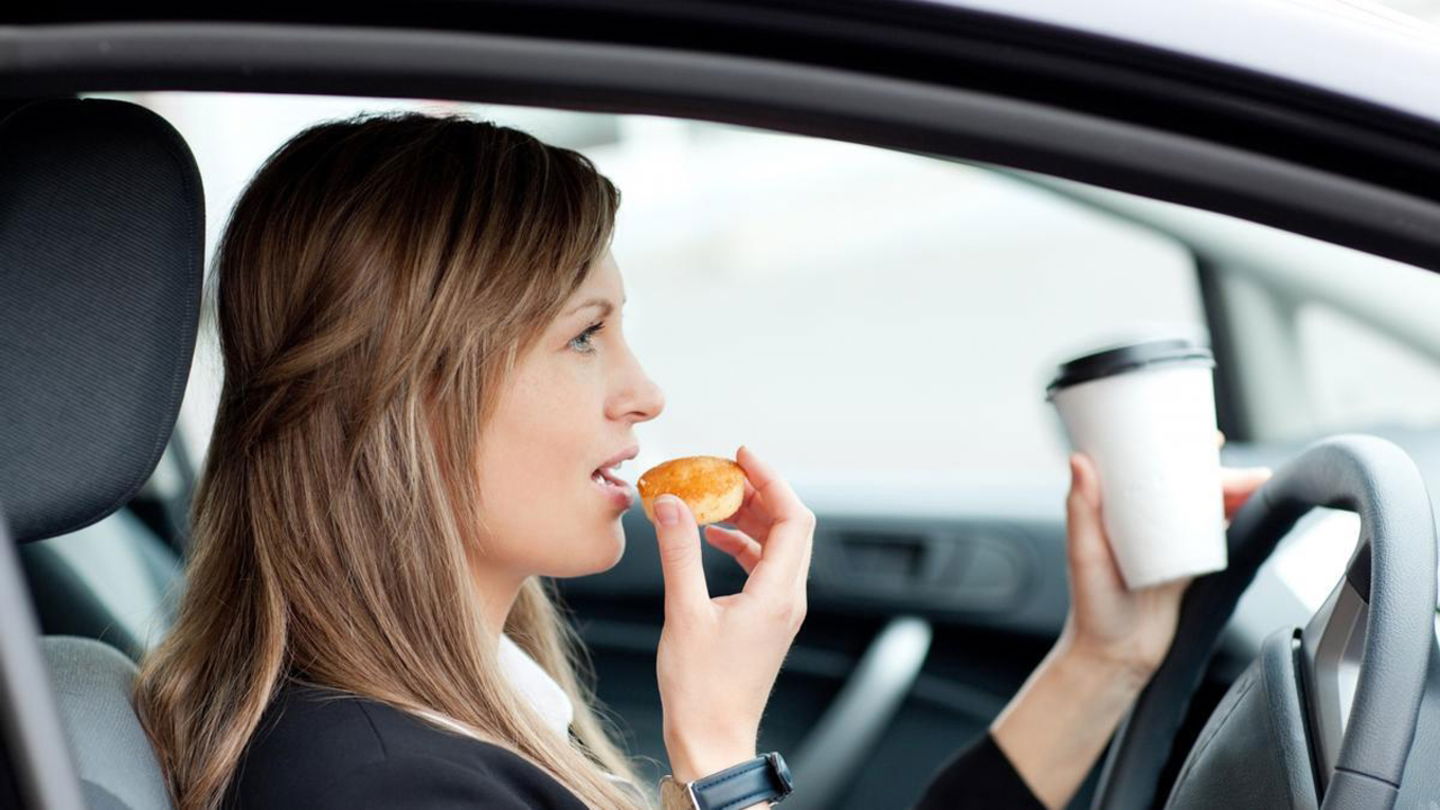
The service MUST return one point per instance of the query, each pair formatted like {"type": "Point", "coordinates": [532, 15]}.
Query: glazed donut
{"type": "Point", "coordinates": [711, 486]}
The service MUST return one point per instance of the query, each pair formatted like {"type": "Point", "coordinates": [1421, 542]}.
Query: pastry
{"type": "Point", "coordinates": [711, 486]}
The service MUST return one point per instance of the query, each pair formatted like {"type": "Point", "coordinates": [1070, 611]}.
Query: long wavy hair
{"type": "Point", "coordinates": [377, 281]}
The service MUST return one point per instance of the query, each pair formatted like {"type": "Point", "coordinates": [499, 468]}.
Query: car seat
{"type": "Point", "coordinates": [101, 263]}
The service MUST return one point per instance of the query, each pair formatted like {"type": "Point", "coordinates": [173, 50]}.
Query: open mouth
{"type": "Point", "coordinates": [606, 478]}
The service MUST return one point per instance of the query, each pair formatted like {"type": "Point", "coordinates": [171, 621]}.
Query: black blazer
{"type": "Point", "coordinates": [321, 749]}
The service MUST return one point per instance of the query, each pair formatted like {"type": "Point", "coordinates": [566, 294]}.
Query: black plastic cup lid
{"type": "Point", "coordinates": [1124, 359]}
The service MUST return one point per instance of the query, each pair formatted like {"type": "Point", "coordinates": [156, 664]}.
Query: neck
{"type": "Point", "coordinates": [497, 590]}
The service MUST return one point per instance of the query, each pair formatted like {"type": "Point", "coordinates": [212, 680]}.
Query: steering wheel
{"type": "Point", "coordinates": [1326, 715]}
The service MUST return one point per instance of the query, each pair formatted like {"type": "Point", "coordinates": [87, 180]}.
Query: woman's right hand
{"type": "Point", "coordinates": [718, 657]}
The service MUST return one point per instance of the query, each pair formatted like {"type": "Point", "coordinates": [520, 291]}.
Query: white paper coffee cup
{"type": "Point", "coordinates": [1145, 414]}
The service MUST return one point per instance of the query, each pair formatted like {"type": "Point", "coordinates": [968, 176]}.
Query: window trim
{"type": "Point", "coordinates": [868, 108]}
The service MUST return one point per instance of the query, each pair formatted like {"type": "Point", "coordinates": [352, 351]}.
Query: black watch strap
{"type": "Point", "coordinates": [764, 778]}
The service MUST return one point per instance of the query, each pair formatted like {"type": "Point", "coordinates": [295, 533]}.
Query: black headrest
{"type": "Point", "coordinates": [101, 261]}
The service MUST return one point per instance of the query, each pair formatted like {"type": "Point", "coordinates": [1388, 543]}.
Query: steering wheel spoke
{"type": "Point", "coordinates": [1333, 646]}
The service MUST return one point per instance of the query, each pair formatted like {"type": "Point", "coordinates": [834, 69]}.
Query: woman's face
{"type": "Point", "coordinates": [569, 407]}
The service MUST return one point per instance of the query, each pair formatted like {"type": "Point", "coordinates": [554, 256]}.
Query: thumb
{"type": "Point", "coordinates": [680, 560]}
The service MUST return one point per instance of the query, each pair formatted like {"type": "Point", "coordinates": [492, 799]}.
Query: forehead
{"type": "Point", "coordinates": [602, 280]}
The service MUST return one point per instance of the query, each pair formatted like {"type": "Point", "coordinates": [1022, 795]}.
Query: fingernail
{"type": "Point", "coordinates": [665, 510]}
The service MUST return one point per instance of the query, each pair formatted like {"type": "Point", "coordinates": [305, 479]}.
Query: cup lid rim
{"type": "Point", "coordinates": [1129, 357]}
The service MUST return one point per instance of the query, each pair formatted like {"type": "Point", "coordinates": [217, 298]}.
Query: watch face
{"type": "Point", "coordinates": [782, 771]}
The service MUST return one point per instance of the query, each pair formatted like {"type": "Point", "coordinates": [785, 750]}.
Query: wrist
{"type": "Point", "coordinates": [751, 784]}
{"type": "Point", "coordinates": [691, 760]}
{"type": "Point", "coordinates": [1100, 674]}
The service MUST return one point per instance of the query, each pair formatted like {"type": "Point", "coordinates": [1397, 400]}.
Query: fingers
{"type": "Point", "coordinates": [786, 555]}
{"type": "Point", "coordinates": [737, 544]}
{"type": "Point", "coordinates": [1088, 548]}
{"type": "Point", "coordinates": [1238, 484]}
{"type": "Point", "coordinates": [752, 516]}
{"type": "Point", "coordinates": [1244, 479]}
{"type": "Point", "coordinates": [680, 560]}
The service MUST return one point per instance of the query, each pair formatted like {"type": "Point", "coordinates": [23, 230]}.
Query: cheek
{"type": "Point", "coordinates": [543, 514]}
{"type": "Point", "coordinates": [533, 446]}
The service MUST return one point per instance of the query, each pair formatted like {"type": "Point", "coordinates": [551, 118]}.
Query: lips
{"type": "Point", "coordinates": [619, 493]}
{"type": "Point", "coordinates": [606, 476]}
{"type": "Point", "coordinates": [606, 472]}
{"type": "Point", "coordinates": [619, 458]}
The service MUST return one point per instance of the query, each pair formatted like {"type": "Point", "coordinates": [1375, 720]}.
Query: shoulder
{"type": "Point", "coordinates": [321, 748]}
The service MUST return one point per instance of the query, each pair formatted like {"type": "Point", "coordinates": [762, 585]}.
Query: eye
{"type": "Point", "coordinates": [581, 342]}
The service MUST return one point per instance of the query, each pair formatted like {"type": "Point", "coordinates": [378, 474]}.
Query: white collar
{"type": "Point", "coordinates": [535, 684]}
{"type": "Point", "coordinates": [545, 695]}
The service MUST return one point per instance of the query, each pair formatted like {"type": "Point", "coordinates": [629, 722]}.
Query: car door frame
{"type": "Point", "coordinates": [937, 81]}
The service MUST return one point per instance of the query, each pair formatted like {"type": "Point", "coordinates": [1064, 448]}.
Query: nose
{"type": "Point", "coordinates": [640, 399]}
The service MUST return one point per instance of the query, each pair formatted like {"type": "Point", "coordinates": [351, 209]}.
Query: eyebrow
{"type": "Point", "coordinates": [603, 303]}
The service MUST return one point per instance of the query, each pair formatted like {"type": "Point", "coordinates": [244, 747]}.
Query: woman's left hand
{"type": "Point", "coordinates": [1056, 726]}
{"type": "Point", "coordinates": [1124, 630]}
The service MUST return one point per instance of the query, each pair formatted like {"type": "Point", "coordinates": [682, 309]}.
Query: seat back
{"type": "Point", "coordinates": [101, 263]}
{"type": "Point", "coordinates": [91, 681]}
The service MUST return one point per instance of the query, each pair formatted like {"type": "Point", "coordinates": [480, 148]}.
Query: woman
{"type": "Point", "coordinates": [424, 374]}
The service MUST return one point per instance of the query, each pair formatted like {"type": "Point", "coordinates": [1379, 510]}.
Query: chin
{"type": "Point", "coordinates": [615, 558]}
{"type": "Point", "coordinates": [599, 558]}
{"type": "Point", "coordinates": [616, 551]}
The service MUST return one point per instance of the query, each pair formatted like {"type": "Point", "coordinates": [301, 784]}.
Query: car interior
{"type": "Point", "coordinates": [933, 594]}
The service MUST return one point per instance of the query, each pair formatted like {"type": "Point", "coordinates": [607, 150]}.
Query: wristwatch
{"type": "Point", "coordinates": [764, 778]}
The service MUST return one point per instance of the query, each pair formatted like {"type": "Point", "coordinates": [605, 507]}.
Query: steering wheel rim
{"type": "Point", "coordinates": [1377, 480]}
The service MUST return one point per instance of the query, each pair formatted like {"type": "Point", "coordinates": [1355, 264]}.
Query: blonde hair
{"type": "Point", "coordinates": [377, 280]}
